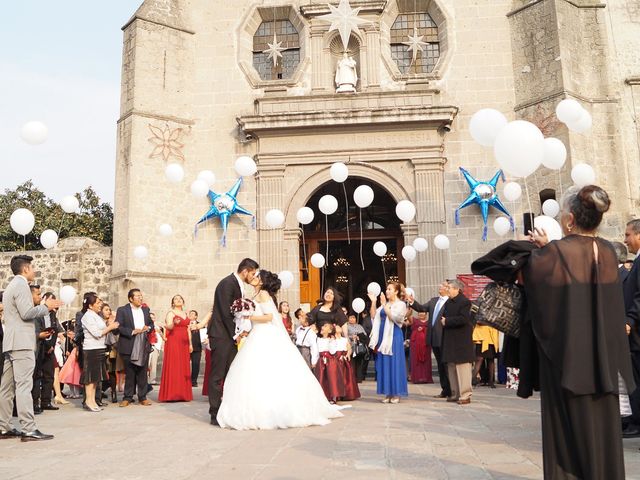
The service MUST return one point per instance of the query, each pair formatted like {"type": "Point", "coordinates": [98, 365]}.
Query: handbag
{"type": "Point", "coordinates": [360, 350]}
{"type": "Point", "coordinates": [500, 307]}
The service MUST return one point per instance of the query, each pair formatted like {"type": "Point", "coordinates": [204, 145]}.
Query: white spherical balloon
{"type": "Point", "coordinates": [550, 226]}
{"type": "Point", "coordinates": [551, 208]}
{"type": "Point", "coordinates": [339, 172]}
{"type": "Point", "coordinates": [317, 260]}
{"type": "Point", "coordinates": [441, 242]}
{"type": "Point", "coordinates": [374, 288]}
{"type": "Point", "coordinates": [380, 249]}
{"type": "Point", "coordinates": [405, 210]}
{"type": "Point", "coordinates": [22, 221]}
{"type": "Point", "coordinates": [519, 148]}
{"type": "Point", "coordinates": [512, 191]}
{"type": "Point", "coordinates": [70, 204]}
{"type": "Point", "coordinates": [49, 239]}
{"type": "Point", "coordinates": [555, 153]}
{"type": "Point", "coordinates": [485, 125]}
{"type": "Point", "coordinates": [583, 175]}
{"type": "Point", "coordinates": [582, 124]}
{"type": "Point", "coordinates": [363, 196]}
{"type": "Point", "coordinates": [358, 305]}
{"type": "Point", "coordinates": [34, 133]}
{"type": "Point", "coordinates": [420, 244]}
{"type": "Point", "coordinates": [409, 253]}
{"type": "Point", "coordinates": [140, 252]}
{"type": "Point", "coordinates": [174, 172]}
{"type": "Point", "coordinates": [68, 294]}
{"type": "Point", "coordinates": [274, 218]}
{"type": "Point", "coordinates": [328, 204]}
{"type": "Point", "coordinates": [165, 230]}
{"type": "Point", "coordinates": [569, 110]}
{"type": "Point", "coordinates": [245, 166]}
{"type": "Point", "coordinates": [286, 277]}
{"type": "Point", "coordinates": [305, 215]}
{"type": "Point", "coordinates": [208, 176]}
{"type": "Point", "coordinates": [501, 225]}
{"type": "Point", "coordinates": [199, 188]}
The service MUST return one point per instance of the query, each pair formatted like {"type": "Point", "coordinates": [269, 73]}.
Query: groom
{"type": "Point", "coordinates": [222, 329]}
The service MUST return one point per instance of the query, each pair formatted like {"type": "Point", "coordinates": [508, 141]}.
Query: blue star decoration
{"type": "Point", "coordinates": [485, 195]}
{"type": "Point", "coordinates": [224, 205]}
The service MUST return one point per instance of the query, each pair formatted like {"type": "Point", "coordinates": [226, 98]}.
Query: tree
{"type": "Point", "coordinates": [95, 219]}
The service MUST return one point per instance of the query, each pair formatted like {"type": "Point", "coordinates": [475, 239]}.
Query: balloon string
{"type": "Point", "coordinates": [346, 201]}
{"type": "Point", "coordinates": [384, 270]}
{"type": "Point", "coordinates": [560, 182]}
{"type": "Point", "coordinates": [526, 189]}
{"type": "Point", "coordinates": [535, 177]}
{"type": "Point", "coordinates": [305, 265]}
{"type": "Point", "coordinates": [61, 222]}
{"type": "Point", "coordinates": [326, 259]}
{"type": "Point", "coordinates": [24, 243]}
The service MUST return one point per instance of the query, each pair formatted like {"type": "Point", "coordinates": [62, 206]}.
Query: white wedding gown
{"type": "Point", "coordinates": [269, 385]}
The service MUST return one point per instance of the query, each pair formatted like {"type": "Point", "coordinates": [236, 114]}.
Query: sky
{"type": "Point", "coordinates": [60, 63]}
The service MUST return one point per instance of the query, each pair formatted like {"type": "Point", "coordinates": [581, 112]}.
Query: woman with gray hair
{"type": "Point", "coordinates": [577, 314]}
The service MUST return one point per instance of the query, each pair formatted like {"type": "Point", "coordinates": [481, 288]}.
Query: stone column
{"type": "Point", "coordinates": [270, 195]}
{"type": "Point", "coordinates": [291, 262]}
{"type": "Point", "coordinates": [413, 269]}
{"type": "Point", "coordinates": [372, 40]}
{"type": "Point", "coordinates": [317, 57]}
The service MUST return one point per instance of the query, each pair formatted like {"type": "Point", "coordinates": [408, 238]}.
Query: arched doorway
{"type": "Point", "coordinates": [350, 268]}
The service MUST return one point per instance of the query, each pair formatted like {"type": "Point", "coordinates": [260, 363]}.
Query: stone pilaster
{"type": "Point", "coordinates": [270, 195]}
{"type": "Point", "coordinates": [372, 40]}
{"type": "Point", "coordinates": [318, 58]}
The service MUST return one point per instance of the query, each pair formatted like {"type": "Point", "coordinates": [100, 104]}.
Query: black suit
{"type": "Point", "coordinates": [221, 332]}
{"type": "Point", "coordinates": [434, 339]}
{"type": "Point", "coordinates": [136, 375]}
{"type": "Point", "coordinates": [45, 362]}
{"type": "Point", "coordinates": [631, 291]}
{"type": "Point", "coordinates": [196, 356]}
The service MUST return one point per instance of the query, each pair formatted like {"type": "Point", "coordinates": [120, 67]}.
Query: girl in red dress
{"type": "Point", "coordinates": [420, 352]}
{"type": "Point", "coordinates": [175, 385]}
{"type": "Point", "coordinates": [285, 313]}
{"type": "Point", "coordinates": [345, 357]}
{"type": "Point", "coordinates": [328, 370]}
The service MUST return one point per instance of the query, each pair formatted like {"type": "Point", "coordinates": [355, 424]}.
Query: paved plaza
{"type": "Point", "coordinates": [496, 437]}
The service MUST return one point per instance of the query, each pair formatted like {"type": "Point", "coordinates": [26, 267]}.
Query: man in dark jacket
{"type": "Point", "coordinates": [457, 343]}
{"type": "Point", "coordinates": [631, 291]}
{"type": "Point", "coordinates": [47, 330]}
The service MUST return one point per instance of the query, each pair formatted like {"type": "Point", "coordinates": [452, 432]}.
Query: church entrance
{"type": "Point", "coordinates": [350, 265]}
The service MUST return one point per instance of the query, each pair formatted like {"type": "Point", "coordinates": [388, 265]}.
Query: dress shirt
{"type": "Point", "coordinates": [306, 337]}
{"type": "Point", "coordinates": [47, 321]}
{"type": "Point", "coordinates": [438, 308]}
{"type": "Point", "coordinates": [138, 317]}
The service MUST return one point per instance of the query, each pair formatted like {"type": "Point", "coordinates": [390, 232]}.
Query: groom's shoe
{"type": "Point", "coordinates": [13, 433]}
{"type": "Point", "coordinates": [35, 436]}
{"type": "Point", "coordinates": [214, 421]}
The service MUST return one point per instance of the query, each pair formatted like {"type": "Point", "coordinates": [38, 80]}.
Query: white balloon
{"type": "Point", "coordinates": [328, 204]}
{"type": "Point", "coordinates": [305, 215]}
{"type": "Point", "coordinates": [246, 166]}
{"type": "Point", "coordinates": [140, 252]}
{"type": "Point", "coordinates": [339, 172]}
{"type": "Point", "coordinates": [501, 225]}
{"type": "Point", "coordinates": [583, 124]}
{"type": "Point", "coordinates": [409, 253]}
{"type": "Point", "coordinates": [380, 249]}
{"type": "Point", "coordinates": [512, 191]}
{"type": "Point", "coordinates": [363, 196]}
{"type": "Point", "coordinates": [405, 210]}
{"type": "Point", "coordinates": [174, 172]}
{"type": "Point", "coordinates": [485, 125]}
{"type": "Point", "coordinates": [165, 230]}
{"type": "Point", "coordinates": [199, 188]}
{"type": "Point", "coordinates": [34, 133]}
{"type": "Point", "coordinates": [317, 260]}
{"type": "Point", "coordinates": [551, 208]}
{"type": "Point", "coordinates": [274, 218]}
{"type": "Point", "coordinates": [68, 294]}
{"type": "Point", "coordinates": [374, 288]}
{"type": "Point", "coordinates": [550, 226]}
{"type": "Point", "coordinates": [208, 176]}
{"type": "Point", "coordinates": [569, 110]}
{"type": "Point", "coordinates": [22, 221]}
{"type": "Point", "coordinates": [555, 153]}
{"type": "Point", "coordinates": [49, 239]}
{"type": "Point", "coordinates": [420, 244]}
{"type": "Point", "coordinates": [441, 242]}
{"type": "Point", "coordinates": [70, 204]}
{"type": "Point", "coordinates": [519, 148]}
{"type": "Point", "coordinates": [583, 175]}
{"type": "Point", "coordinates": [286, 277]}
{"type": "Point", "coordinates": [358, 305]}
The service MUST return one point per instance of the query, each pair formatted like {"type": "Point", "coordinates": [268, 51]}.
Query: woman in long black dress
{"type": "Point", "coordinates": [329, 311]}
{"type": "Point", "coordinates": [577, 314]}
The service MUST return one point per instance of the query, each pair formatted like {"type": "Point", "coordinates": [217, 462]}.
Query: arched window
{"type": "Point", "coordinates": [410, 24]}
{"type": "Point", "coordinates": [287, 38]}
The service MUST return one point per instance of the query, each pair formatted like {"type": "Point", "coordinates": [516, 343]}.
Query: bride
{"type": "Point", "coordinates": [269, 385]}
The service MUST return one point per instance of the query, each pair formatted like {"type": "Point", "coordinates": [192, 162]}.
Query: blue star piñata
{"type": "Point", "coordinates": [485, 195]}
{"type": "Point", "coordinates": [224, 205]}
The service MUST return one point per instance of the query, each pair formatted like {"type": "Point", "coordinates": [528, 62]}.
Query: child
{"type": "Point", "coordinates": [328, 371]}
{"type": "Point", "coordinates": [306, 340]}
{"type": "Point", "coordinates": [344, 355]}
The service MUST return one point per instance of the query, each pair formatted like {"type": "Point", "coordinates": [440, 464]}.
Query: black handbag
{"type": "Point", "coordinates": [500, 307]}
{"type": "Point", "coordinates": [361, 349]}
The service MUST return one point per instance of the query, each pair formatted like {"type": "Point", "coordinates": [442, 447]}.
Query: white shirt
{"type": "Point", "coordinates": [138, 317]}
{"type": "Point", "coordinates": [341, 344]}
{"type": "Point", "coordinates": [327, 345]}
{"type": "Point", "coordinates": [306, 337]}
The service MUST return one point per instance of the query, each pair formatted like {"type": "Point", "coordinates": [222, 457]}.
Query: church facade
{"type": "Point", "coordinates": [200, 88]}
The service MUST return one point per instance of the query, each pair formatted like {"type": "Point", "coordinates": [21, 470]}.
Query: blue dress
{"type": "Point", "coordinates": [391, 370]}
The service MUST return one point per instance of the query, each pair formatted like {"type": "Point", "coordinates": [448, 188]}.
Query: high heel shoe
{"type": "Point", "coordinates": [92, 409]}
{"type": "Point", "coordinates": [60, 401]}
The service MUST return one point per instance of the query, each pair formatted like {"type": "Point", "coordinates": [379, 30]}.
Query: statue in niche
{"type": "Point", "coordinates": [346, 75]}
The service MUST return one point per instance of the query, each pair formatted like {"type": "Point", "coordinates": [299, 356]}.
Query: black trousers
{"type": "Point", "coordinates": [43, 379]}
{"type": "Point", "coordinates": [223, 352]}
{"type": "Point", "coordinates": [135, 381]}
{"type": "Point", "coordinates": [442, 372]}
{"type": "Point", "coordinates": [634, 398]}
{"type": "Point", "coordinates": [195, 366]}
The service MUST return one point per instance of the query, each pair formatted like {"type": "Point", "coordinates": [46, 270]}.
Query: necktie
{"type": "Point", "coordinates": [436, 311]}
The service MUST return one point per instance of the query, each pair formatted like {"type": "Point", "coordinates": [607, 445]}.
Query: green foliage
{"type": "Point", "coordinates": [95, 219]}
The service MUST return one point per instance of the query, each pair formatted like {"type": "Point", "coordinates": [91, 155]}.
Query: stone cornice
{"type": "Point", "coordinates": [632, 80]}
{"type": "Point", "coordinates": [156, 116]}
{"type": "Point", "coordinates": [575, 3]}
{"type": "Point", "coordinates": [162, 24]}
{"type": "Point", "coordinates": [561, 93]}
{"type": "Point", "coordinates": [366, 6]}
{"type": "Point", "coordinates": [130, 274]}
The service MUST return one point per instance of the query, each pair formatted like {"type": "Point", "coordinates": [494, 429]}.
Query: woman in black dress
{"type": "Point", "coordinates": [329, 311]}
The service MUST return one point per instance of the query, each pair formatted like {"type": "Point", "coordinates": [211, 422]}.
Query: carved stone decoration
{"type": "Point", "coordinates": [166, 141]}
{"type": "Point", "coordinates": [346, 75]}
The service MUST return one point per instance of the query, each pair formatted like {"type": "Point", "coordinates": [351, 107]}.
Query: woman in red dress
{"type": "Point", "coordinates": [285, 313]}
{"type": "Point", "coordinates": [420, 352]}
{"type": "Point", "coordinates": [175, 385]}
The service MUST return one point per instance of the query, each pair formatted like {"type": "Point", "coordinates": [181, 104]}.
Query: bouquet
{"type": "Point", "coordinates": [242, 308]}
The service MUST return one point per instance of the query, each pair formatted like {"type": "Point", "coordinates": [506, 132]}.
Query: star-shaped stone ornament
{"type": "Point", "coordinates": [415, 44]}
{"type": "Point", "coordinates": [166, 142]}
{"type": "Point", "coordinates": [344, 19]}
{"type": "Point", "coordinates": [275, 50]}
